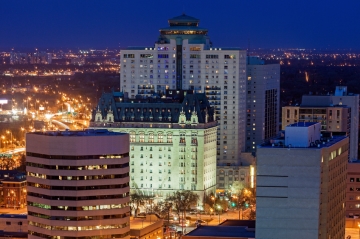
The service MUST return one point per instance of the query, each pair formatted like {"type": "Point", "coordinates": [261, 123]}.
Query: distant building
{"type": "Point", "coordinates": [30, 58]}
{"type": "Point", "coordinates": [172, 140]}
{"type": "Point", "coordinates": [13, 189]}
{"type": "Point", "coordinates": [338, 113]}
{"type": "Point", "coordinates": [301, 186]}
{"type": "Point", "coordinates": [78, 184]}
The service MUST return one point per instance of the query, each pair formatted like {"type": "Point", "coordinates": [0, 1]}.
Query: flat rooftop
{"type": "Point", "coordinates": [137, 223]}
{"type": "Point", "coordinates": [323, 144]}
{"type": "Point", "coordinates": [86, 132]}
{"type": "Point", "coordinates": [13, 216]}
{"type": "Point", "coordinates": [302, 124]}
{"type": "Point", "coordinates": [222, 231]}
{"type": "Point", "coordinates": [237, 223]}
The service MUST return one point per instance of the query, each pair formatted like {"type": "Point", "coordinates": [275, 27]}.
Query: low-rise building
{"type": "Point", "coordinates": [234, 229]}
{"type": "Point", "coordinates": [12, 189]}
{"type": "Point", "coordinates": [148, 227]}
{"type": "Point", "coordinates": [13, 223]}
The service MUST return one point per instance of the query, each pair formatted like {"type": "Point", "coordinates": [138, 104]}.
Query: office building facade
{"type": "Point", "coordinates": [301, 185]}
{"type": "Point", "coordinates": [78, 184]}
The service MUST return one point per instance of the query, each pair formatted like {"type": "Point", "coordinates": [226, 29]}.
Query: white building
{"type": "Point", "coordinates": [172, 140]}
{"type": "Point", "coordinates": [183, 58]}
{"type": "Point", "coordinates": [78, 184]}
{"type": "Point", "coordinates": [300, 190]}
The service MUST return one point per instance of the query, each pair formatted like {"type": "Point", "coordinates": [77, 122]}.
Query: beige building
{"type": "Point", "coordinates": [337, 113]}
{"type": "Point", "coordinates": [301, 186]}
{"type": "Point", "coordinates": [78, 184]}
{"type": "Point", "coordinates": [332, 118]}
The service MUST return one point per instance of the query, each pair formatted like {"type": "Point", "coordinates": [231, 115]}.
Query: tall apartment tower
{"type": "Point", "coordinates": [301, 185]}
{"type": "Point", "coordinates": [78, 184]}
{"type": "Point", "coordinates": [183, 58]}
{"type": "Point", "coordinates": [172, 140]}
{"type": "Point", "coordinates": [262, 102]}
{"type": "Point", "coordinates": [338, 113]}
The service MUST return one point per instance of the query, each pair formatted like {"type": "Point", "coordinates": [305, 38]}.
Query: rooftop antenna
{"type": "Point", "coordinates": [248, 46]}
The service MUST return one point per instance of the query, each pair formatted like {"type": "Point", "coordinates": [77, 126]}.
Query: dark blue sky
{"type": "Point", "coordinates": [109, 23]}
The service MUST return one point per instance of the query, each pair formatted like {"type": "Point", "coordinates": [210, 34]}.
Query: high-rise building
{"type": "Point", "coordinates": [78, 184]}
{"type": "Point", "coordinates": [183, 58]}
{"type": "Point", "coordinates": [172, 140]}
{"type": "Point", "coordinates": [301, 185]}
{"type": "Point", "coordinates": [262, 102]}
{"type": "Point", "coordinates": [338, 113]}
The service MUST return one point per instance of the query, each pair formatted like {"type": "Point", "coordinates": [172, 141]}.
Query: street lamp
{"type": "Point", "coordinates": [9, 132]}
{"type": "Point", "coordinates": [219, 207]}
{"type": "Point", "coordinates": [2, 139]}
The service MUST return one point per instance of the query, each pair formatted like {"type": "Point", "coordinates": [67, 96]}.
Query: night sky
{"type": "Point", "coordinates": [99, 24]}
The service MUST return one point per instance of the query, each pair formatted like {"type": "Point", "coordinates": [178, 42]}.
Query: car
{"type": "Point", "coordinates": [141, 214]}
{"type": "Point", "coordinates": [193, 211]}
{"type": "Point", "coordinates": [173, 227]}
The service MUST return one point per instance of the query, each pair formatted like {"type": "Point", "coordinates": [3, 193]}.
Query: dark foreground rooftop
{"type": "Point", "coordinates": [86, 132]}
{"type": "Point", "coordinates": [229, 228]}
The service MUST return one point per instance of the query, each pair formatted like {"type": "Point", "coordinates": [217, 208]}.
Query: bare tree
{"type": "Point", "coordinates": [136, 200]}
{"type": "Point", "coordinates": [182, 200]}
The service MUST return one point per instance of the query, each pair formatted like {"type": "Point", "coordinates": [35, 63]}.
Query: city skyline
{"type": "Point", "coordinates": [270, 24]}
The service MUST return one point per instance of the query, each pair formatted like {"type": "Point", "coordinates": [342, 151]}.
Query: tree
{"type": "Point", "coordinates": [247, 199]}
{"type": "Point", "coordinates": [182, 200]}
{"type": "Point", "coordinates": [136, 200]}
{"type": "Point", "coordinates": [236, 187]}
{"type": "Point", "coordinates": [161, 208]}
{"type": "Point", "coordinates": [7, 163]}
{"type": "Point", "coordinates": [148, 201]}
{"type": "Point", "coordinates": [22, 162]}
{"type": "Point", "coordinates": [207, 208]}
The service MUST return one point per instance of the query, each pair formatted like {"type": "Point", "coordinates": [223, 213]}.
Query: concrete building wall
{"type": "Point", "coordinates": [78, 184]}
{"type": "Point", "coordinates": [353, 189]}
{"type": "Point", "coordinates": [13, 223]}
{"type": "Point", "coordinates": [300, 191]}
{"type": "Point", "coordinates": [302, 134]}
